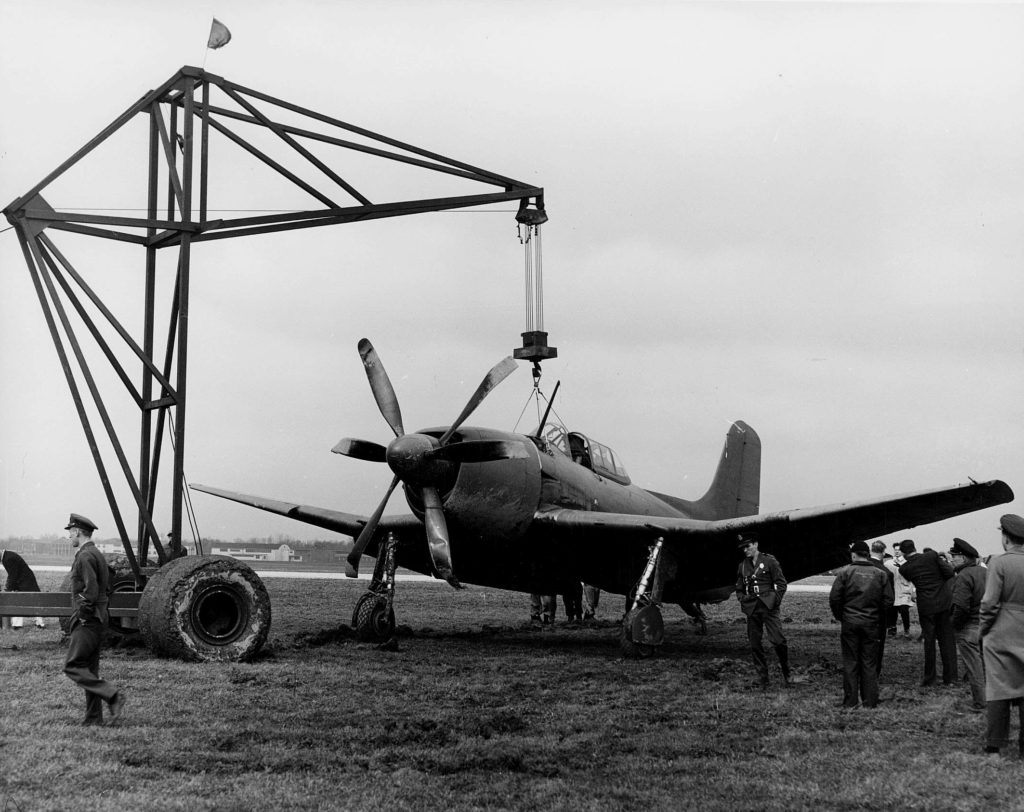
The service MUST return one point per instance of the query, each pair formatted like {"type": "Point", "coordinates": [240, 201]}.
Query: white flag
{"type": "Point", "coordinates": [219, 35]}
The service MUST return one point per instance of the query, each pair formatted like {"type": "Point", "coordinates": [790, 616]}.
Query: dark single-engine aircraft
{"type": "Point", "coordinates": [534, 513]}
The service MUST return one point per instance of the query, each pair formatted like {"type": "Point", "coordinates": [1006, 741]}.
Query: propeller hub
{"type": "Point", "coordinates": [409, 457]}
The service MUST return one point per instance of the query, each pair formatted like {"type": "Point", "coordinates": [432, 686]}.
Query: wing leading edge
{"type": "Point", "coordinates": [349, 523]}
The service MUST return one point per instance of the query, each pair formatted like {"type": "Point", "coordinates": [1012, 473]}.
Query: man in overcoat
{"type": "Point", "coordinates": [1002, 634]}
{"type": "Point", "coordinates": [932, 578]}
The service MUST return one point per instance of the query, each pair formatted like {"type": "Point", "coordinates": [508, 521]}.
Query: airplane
{"type": "Point", "coordinates": [536, 512]}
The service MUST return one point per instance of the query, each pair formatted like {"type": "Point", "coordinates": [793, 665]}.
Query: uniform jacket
{"type": "Point", "coordinates": [1002, 626]}
{"type": "Point", "coordinates": [20, 577]}
{"type": "Point", "coordinates": [904, 594]}
{"type": "Point", "coordinates": [968, 590]}
{"type": "Point", "coordinates": [90, 584]}
{"type": "Point", "coordinates": [931, 575]}
{"type": "Point", "coordinates": [760, 582]}
{"type": "Point", "coordinates": [860, 594]}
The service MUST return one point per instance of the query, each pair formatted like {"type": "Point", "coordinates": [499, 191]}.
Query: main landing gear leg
{"type": "Point", "coordinates": [374, 616]}
{"type": "Point", "coordinates": [643, 629]}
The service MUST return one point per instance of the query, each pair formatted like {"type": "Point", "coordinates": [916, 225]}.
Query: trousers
{"type": "Point", "coordinates": [860, 647]}
{"type": "Point", "coordinates": [82, 667]}
{"type": "Point", "coordinates": [968, 643]}
{"type": "Point", "coordinates": [762, 620]}
{"type": "Point", "coordinates": [997, 713]}
{"type": "Point", "coordinates": [938, 627]}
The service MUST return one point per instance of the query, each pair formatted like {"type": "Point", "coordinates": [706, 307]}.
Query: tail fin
{"type": "Point", "coordinates": [736, 489]}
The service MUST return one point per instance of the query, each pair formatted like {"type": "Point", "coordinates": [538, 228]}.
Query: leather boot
{"type": "Point", "coordinates": [782, 652]}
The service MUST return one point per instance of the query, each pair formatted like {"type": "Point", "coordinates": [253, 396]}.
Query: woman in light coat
{"type": "Point", "coordinates": [904, 591]}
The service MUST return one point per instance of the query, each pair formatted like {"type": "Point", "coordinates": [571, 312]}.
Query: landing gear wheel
{"type": "Point", "coordinates": [210, 608]}
{"type": "Point", "coordinates": [358, 607]}
{"type": "Point", "coordinates": [374, 620]}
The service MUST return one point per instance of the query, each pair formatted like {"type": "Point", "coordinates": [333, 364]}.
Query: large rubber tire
{"type": "Point", "coordinates": [122, 579]}
{"type": "Point", "coordinates": [373, 624]}
{"type": "Point", "coordinates": [210, 608]}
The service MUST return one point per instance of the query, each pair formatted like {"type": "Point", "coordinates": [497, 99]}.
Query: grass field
{"type": "Point", "coordinates": [476, 710]}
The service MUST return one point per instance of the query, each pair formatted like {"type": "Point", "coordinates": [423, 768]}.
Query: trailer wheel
{"type": "Point", "coordinates": [211, 608]}
{"type": "Point", "coordinates": [373, 621]}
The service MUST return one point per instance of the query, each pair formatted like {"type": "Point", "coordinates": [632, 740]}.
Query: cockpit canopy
{"type": "Point", "coordinates": [586, 452]}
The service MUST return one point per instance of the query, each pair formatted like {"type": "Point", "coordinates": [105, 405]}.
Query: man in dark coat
{"type": "Point", "coordinates": [932, 578]}
{"type": "Point", "coordinates": [20, 578]}
{"type": "Point", "coordinates": [760, 586]}
{"type": "Point", "coordinates": [860, 594]}
{"type": "Point", "coordinates": [968, 590]}
{"type": "Point", "coordinates": [90, 591]}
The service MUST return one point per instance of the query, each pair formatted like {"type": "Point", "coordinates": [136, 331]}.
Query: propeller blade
{"type": "Point", "coordinates": [479, 451]}
{"type": "Point", "coordinates": [380, 384]}
{"type": "Point", "coordinates": [437, 536]}
{"type": "Point", "coordinates": [361, 450]}
{"type": "Point", "coordinates": [352, 570]}
{"type": "Point", "coordinates": [500, 371]}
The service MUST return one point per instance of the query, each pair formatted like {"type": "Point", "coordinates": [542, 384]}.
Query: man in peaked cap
{"type": "Point", "coordinates": [1002, 619]}
{"type": "Point", "coordinates": [79, 521]}
{"type": "Point", "coordinates": [90, 591]}
{"type": "Point", "coordinates": [968, 589]}
{"type": "Point", "coordinates": [760, 586]}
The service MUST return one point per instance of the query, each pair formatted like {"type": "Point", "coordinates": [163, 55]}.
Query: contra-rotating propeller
{"type": "Point", "coordinates": [421, 460]}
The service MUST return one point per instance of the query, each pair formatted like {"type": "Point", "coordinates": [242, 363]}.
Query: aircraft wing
{"type": "Point", "coordinates": [807, 541]}
{"type": "Point", "coordinates": [335, 520]}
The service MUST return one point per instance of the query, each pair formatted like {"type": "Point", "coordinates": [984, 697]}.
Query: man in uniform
{"type": "Point", "coordinates": [20, 578]}
{"type": "Point", "coordinates": [760, 586]}
{"type": "Point", "coordinates": [860, 594]}
{"type": "Point", "coordinates": [1002, 634]}
{"type": "Point", "coordinates": [90, 589]}
{"type": "Point", "coordinates": [931, 576]}
{"type": "Point", "coordinates": [968, 589]}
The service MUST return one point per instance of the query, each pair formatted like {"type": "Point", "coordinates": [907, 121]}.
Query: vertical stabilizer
{"type": "Point", "coordinates": [736, 488]}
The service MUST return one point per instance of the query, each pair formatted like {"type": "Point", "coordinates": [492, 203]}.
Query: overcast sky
{"type": "Point", "coordinates": [806, 216]}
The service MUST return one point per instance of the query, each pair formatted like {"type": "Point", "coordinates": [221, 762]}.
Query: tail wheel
{"type": "Point", "coordinates": [635, 651]}
{"type": "Point", "coordinates": [210, 608]}
{"type": "Point", "coordinates": [643, 630]}
{"type": "Point", "coordinates": [374, 621]}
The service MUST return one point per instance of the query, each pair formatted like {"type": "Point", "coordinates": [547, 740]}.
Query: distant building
{"type": "Point", "coordinates": [257, 551]}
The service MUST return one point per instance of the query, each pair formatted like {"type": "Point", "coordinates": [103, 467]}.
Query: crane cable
{"type": "Point", "coordinates": [189, 509]}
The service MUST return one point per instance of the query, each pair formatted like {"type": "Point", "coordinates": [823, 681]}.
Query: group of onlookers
{"type": "Point", "coordinates": [964, 609]}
